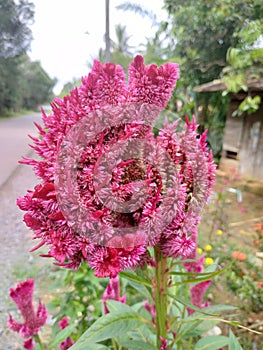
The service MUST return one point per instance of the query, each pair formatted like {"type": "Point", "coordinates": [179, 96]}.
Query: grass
{"type": "Point", "coordinates": [12, 114]}
{"type": "Point", "coordinates": [236, 220]}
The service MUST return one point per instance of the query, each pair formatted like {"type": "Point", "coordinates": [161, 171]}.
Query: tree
{"type": "Point", "coordinates": [201, 33]}
{"type": "Point", "coordinates": [139, 9]}
{"type": "Point", "coordinates": [245, 65]}
{"type": "Point", "coordinates": [70, 85]}
{"type": "Point", "coordinates": [10, 98]}
{"type": "Point", "coordinates": [120, 50]}
{"type": "Point", "coordinates": [36, 86]}
{"type": "Point", "coordinates": [122, 43]}
{"type": "Point", "coordinates": [15, 38]}
{"type": "Point", "coordinates": [204, 30]}
{"type": "Point", "coordinates": [107, 30]}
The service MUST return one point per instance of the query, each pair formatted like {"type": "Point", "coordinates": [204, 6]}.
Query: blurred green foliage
{"type": "Point", "coordinates": [77, 295]}
{"type": "Point", "coordinates": [23, 84]}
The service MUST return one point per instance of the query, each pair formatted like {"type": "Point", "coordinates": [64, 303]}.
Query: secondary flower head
{"type": "Point", "coordinates": [112, 292]}
{"type": "Point", "coordinates": [66, 344]}
{"type": "Point", "coordinates": [29, 344]}
{"type": "Point", "coordinates": [197, 295]}
{"type": "Point", "coordinates": [109, 187]}
{"type": "Point", "coordinates": [22, 295]}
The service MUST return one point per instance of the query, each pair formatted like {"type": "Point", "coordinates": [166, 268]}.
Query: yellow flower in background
{"type": "Point", "coordinates": [219, 232]}
{"type": "Point", "coordinates": [208, 248]}
{"type": "Point", "coordinates": [199, 251]}
{"type": "Point", "coordinates": [209, 261]}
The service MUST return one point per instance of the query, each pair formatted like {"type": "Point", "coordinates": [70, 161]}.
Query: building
{"type": "Point", "coordinates": [243, 135]}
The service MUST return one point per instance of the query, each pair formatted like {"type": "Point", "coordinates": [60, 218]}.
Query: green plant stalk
{"type": "Point", "coordinates": [160, 294]}
{"type": "Point", "coordinates": [39, 341]}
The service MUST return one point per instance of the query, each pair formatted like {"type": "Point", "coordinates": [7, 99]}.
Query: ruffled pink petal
{"type": "Point", "coordinates": [112, 292]}
{"type": "Point", "coordinates": [14, 325]}
{"type": "Point", "coordinates": [29, 344]}
{"type": "Point", "coordinates": [65, 345]}
{"type": "Point", "coordinates": [105, 85]}
{"type": "Point", "coordinates": [41, 315]}
{"type": "Point", "coordinates": [63, 323]}
{"type": "Point", "coordinates": [197, 294]}
{"type": "Point", "coordinates": [151, 84]}
{"type": "Point", "coordinates": [22, 295]}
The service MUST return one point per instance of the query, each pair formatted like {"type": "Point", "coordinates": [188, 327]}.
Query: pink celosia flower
{"type": "Point", "coordinates": [63, 323]}
{"type": "Point", "coordinates": [66, 344]}
{"type": "Point", "coordinates": [29, 344]}
{"type": "Point", "coordinates": [156, 187]}
{"type": "Point", "coordinates": [164, 344]}
{"type": "Point", "coordinates": [197, 295]}
{"type": "Point", "coordinates": [22, 295]}
{"type": "Point", "coordinates": [112, 292]}
{"type": "Point", "coordinates": [151, 309]}
{"type": "Point", "coordinates": [197, 292]}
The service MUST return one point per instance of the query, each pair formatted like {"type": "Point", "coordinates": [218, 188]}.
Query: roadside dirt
{"type": "Point", "coordinates": [15, 242]}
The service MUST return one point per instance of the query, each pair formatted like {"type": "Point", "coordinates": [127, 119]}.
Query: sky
{"type": "Point", "coordinates": [68, 34]}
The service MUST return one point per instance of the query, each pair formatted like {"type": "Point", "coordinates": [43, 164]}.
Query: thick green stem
{"type": "Point", "coordinates": [39, 341]}
{"type": "Point", "coordinates": [160, 293]}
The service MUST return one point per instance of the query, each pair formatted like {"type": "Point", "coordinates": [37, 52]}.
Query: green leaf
{"type": "Point", "coordinates": [233, 342]}
{"type": "Point", "coordinates": [111, 325]}
{"type": "Point", "coordinates": [135, 278]}
{"type": "Point", "coordinates": [144, 334]}
{"type": "Point", "coordinates": [205, 326]}
{"type": "Point", "coordinates": [201, 279]}
{"type": "Point", "coordinates": [212, 342]}
{"type": "Point", "coordinates": [187, 328]}
{"type": "Point", "coordinates": [178, 273]}
{"type": "Point", "coordinates": [97, 347]}
{"type": "Point", "coordinates": [137, 345]}
{"type": "Point", "coordinates": [141, 289]}
{"type": "Point", "coordinates": [187, 303]}
{"type": "Point", "coordinates": [212, 309]}
{"type": "Point", "coordinates": [116, 306]}
{"type": "Point", "coordinates": [139, 283]}
{"type": "Point", "coordinates": [138, 306]}
{"type": "Point", "coordinates": [62, 335]}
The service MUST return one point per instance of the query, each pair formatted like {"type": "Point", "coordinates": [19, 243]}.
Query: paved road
{"type": "Point", "coordinates": [14, 142]}
{"type": "Point", "coordinates": [15, 238]}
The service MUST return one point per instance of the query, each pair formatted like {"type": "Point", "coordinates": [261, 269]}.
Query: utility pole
{"type": "Point", "coordinates": [107, 32]}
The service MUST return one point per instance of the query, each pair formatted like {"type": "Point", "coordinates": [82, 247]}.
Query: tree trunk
{"type": "Point", "coordinates": [107, 33]}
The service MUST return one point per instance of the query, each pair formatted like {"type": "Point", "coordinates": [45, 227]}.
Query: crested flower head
{"type": "Point", "coordinates": [29, 344]}
{"type": "Point", "coordinates": [197, 295]}
{"type": "Point", "coordinates": [66, 344]}
{"type": "Point", "coordinates": [109, 188]}
{"type": "Point", "coordinates": [112, 292]}
{"type": "Point", "coordinates": [22, 295]}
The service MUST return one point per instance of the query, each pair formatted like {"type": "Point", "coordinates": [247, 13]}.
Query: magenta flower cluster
{"type": "Point", "coordinates": [198, 290]}
{"type": "Point", "coordinates": [66, 344]}
{"type": "Point", "coordinates": [112, 292]}
{"type": "Point", "coordinates": [169, 208]}
{"type": "Point", "coordinates": [22, 295]}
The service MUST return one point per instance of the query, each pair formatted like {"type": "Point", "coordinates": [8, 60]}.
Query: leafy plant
{"type": "Point", "coordinates": [77, 295]}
